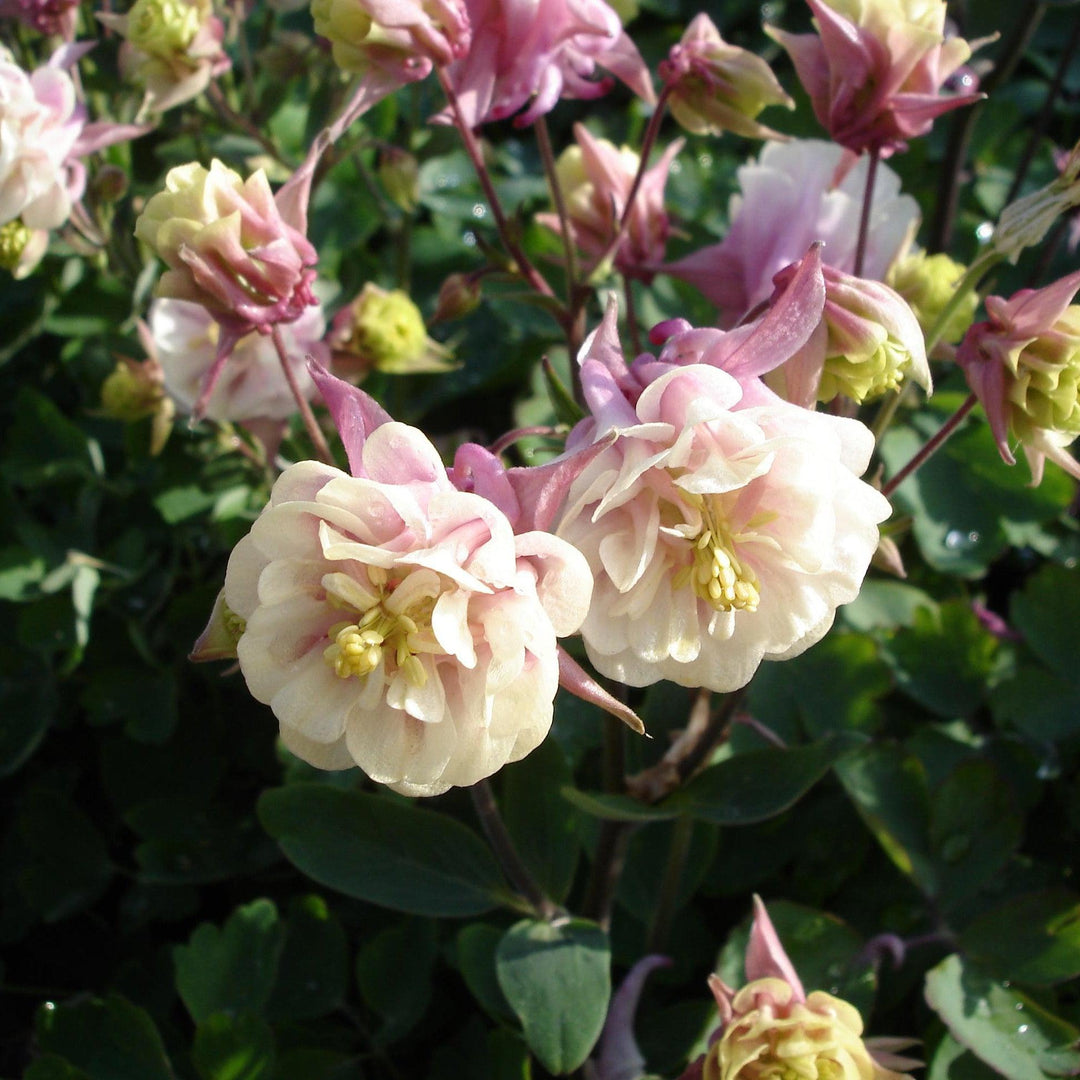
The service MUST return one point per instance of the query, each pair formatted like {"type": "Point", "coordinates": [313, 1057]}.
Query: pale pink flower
{"type": "Point", "coordinates": [184, 338]}
{"type": "Point", "coordinates": [876, 70]}
{"type": "Point", "coordinates": [795, 194]}
{"type": "Point", "coordinates": [173, 48]}
{"type": "Point", "coordinates": [596, 178]}
{"type": "Point", "coordinates": [1023, 364]}
{"type": "Point", "coordinates": [716, 87]}
{"type": "Point", "coordinates": [723, 526]}
{"type": "Point", "coordinates": [772, 1027]}
{"type": "Point", "coordinates": [43, 134]}
{"type": "Point", "coordinates": [527, 54]}
{"type": "Point", "coordinates": [395, 622]}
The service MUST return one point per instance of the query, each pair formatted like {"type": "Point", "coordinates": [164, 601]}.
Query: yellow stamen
{"type": "Point", "coordinates": [717, 574]}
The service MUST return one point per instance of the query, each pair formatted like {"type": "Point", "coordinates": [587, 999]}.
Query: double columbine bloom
{"type": "Point", "coordinates": [395, 622]}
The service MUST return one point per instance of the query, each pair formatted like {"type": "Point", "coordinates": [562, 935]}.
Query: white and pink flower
{"type": "Point", "coordinates": [184, 338]}
{"type": "Point", "coordinates": [395, 622]}
{"type": "Point", "coordinates": [795, 194]}
{"type": "Point", "coordinates": [723, 526]}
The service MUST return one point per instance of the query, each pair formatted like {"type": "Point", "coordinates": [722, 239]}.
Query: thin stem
{"type": "Point", "coordinates": [667, 902]}
{"type": "Point", "coordinates": [864, 217]}
{"type": "Point", "coordinates": [887, 411]}
{"type": "Point", "coordinates": [322, 449]}
{"type": "Point", "coordinates": [242, 123]}
{"type": "Point", "coordinates": [606, 870]}
{"type": "Point", "coordinates": [631, 316]}
{"type": "Point", "coordinates": [1043, 119]}
{"type": "Point", "coordinates": [648, 141]}
{"type": "Point", "coordinates": [964, 122]}
{"type": "Point", "coordinates": [504, 442]}
{"type": "Point", "coordinates": [472, 148]}
{"type": "Point", "coordinates": [932, 445]}
{"type": "Point", "coordinates": [547, 155]}
{"type": "Point", "coordinates": [974, 274]}
{"type": "Point", "coordinates": [503, 845]}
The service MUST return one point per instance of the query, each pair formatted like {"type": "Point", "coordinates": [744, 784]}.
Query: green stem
{"type": "Point", "coordinates": [668, 901]}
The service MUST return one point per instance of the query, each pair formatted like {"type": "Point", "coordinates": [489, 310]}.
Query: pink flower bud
{"type": "Point", "coordinates": [228, 247]}
{"type": "Point", "coordinates": [717, 87]}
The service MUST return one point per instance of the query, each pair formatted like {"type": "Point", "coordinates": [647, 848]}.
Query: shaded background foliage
{"type": "Point", "coordinates": [182, 899]}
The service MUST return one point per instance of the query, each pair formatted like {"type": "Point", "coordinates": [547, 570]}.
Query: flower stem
{"type": "Point", "coordinates": [547, 155]}
{"type": "Point", "coordinates": [975, 273]}
{"type": "Point", "coordinates": [472, 148]}
{"type": "Point", "coordinates": [631, 316]}
{"type": "Point", "coordinates": [322, 449]}
{"type": "Point", "coordinates": [648, 141]}
{"type": "Point", "coordinates": [864, 217]}
{"type": "Point", "coordinates": [503, 845]}
{"type": "Point", "coordinates": [667, 902]}
{"type": "Point", "coordinates": [932, 445]}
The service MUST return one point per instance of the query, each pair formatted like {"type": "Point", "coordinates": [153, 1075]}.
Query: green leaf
{"type": "Point", "coordinates": [1000, 1025]}
{"type": "Point", "coordinates": [28, 702]}
{"type": "Point", "coordinates": [615, 807]}
{"type": "Point", "coordinates": [20, 571]}
{"type": "Point", "coordinates": [952, 1062]}
{"type": "Point", "coordinates": [1035, 701]}
{"type": "Point", "coordinates": [756, 785]}
{"type": "Point", "coordinates": [234, 1048]}
{"type": "Point", "coordinates": [1044, 611]}
{"type": "Point", "coordinates": [477, 946]}
{"type": "Point", "coordinates": [890, 791]}
{"type": "Point", "coordinates": [44, 446]}
{"type": "Point", "coordinates": [944, 660]}
{"type": "Point", "coordinates": [382, 851]}
{"type": "Point", "coordinates": [233, 969]}
{"type": "Point", "coordinates": [557, 980]}
{"type": "Point", "coordinates": [884, 605]}
{"type": "Point", "coordinates": [52, 1067]}
{"type": "Point", "coordinates": [408, 949]}
{"type": "Point", "coordinates": [822, 948]}
{"type": "Point", "coordinates": [1033, 938]}
{"type": "Point", "coordinates": [108, 1039]}
{"type": "Point", "coordinates": [313, 972]}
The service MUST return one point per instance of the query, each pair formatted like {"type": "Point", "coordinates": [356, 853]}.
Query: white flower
{"type": "Point", "coordinates": [397, 623]}
{"type": "Point", "coordinates": [252, 384]}
{"type": "Point", "coordinates": [720, 531]}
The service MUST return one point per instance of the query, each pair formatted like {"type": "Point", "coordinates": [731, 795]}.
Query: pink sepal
{"type": "Point", "coordinates": [574, 678]}
{"type": "Point", "coordinates": [356, 414]}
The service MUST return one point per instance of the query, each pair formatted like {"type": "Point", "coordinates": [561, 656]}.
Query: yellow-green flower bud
{"type": "Point", "coordinates": [165, 28]}
{"type": "Point", "coordinates": [1045, 392]}
{"type": "Point", "coordinates": [863, 376]}
{"type": "Point", "coordinates": [400, 176]}
{"type": "Point", "coordinates": [14, 236]}
{"type": "Point", "coordinates": [928, 283]}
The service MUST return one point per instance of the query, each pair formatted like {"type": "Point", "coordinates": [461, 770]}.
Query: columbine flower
{"type": "Point", "coordinates": [772, 1028]}
{"type": "Point", "coordinates": [870, 342]}
{"type": "Point", "coordinates": [596, 178]}
{"type": "Point", "coordinates": [185, 339]}
{"type": "Point", "coordinates": [1023, 364]}
{"type": "Point", "coordinates": [876, 68]}
{"type": "Point", "coordinates": [927, 283]}
{"type": "Point", "coordinates": [527, 54]}
{"type": "Point", "coordinates": [716, 87]}
{"type": "Point", "coordinates": [171, 47]}
{"type": "Point", "coordinates": [53, 17]}
{"type": "Point", "coordinates": [401, 40]}
{"type": "Point", "coordinates": [723, 526]}
{"type": "Point", "coordinates": [44, 134]}
{"type": "Point", "coordinates": [228, 247]}
{"type": "Point", "coordinates": [395, 622]}
{"type": "Point", "coordinates": [795, 194]}
{"type": "Point", "coordinates": [383, 329]}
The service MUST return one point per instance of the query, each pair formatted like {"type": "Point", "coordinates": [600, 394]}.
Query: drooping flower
{"type": "Point", "coordinates": [185, 338]}
{"type": "Point", "coordinates": [527, 54]}
{"type": "Point", "coordinates": [596, 178]}
{"type": "Point", "coordinates": [723, 526]}
{"type": "Point", "coordinates": [796, 194]}
{"type": "Point", "coordinates": [876, 70]}
{"type": "Point", "coordinates": [173, 48]}
{"type": "Point", "coordinates": [716, 87]}
{"type": "Point", "coordinates": [1023, 364]}
{"type": "Point", "coordinates": [228, 247]}
{"type": "Point", "coordinates": [383, 329]}
{"type": "Point", "coordinates": [395, 622]}
{"type": "Point", "coordinates": [401, 40]}
{"type": "Point", "coordinates": [44, 134]}
{"type": "Point", "coordinates": [869, 343]}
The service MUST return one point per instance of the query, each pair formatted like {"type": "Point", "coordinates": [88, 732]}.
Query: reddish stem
{"type": "Point", "coordinates": [322, 449]}
{"type": "Point", "coordinates": [932, 446]}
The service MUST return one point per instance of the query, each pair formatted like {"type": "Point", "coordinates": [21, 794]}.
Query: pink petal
{"type": "Point", "coordinates": [356, 414]}
{"type": "Point", "coordinates": [765, 955]}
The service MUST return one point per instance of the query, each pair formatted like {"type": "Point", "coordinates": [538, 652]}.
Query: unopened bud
{"type": "Point", "coordinates": [400, 176]}
{"type": "Point", "coordinates": [928, 283]}
{"type": "Point", "coordinates": [1024, 222]}
{"type": "Point", "coordinates": [459, 294]}
{"type": "Point", "coordinates": [14, 236]}
{"type": "Point", "coordinates": [110, 184]}
{"type": "Point", "coordinates": [164, 28]}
